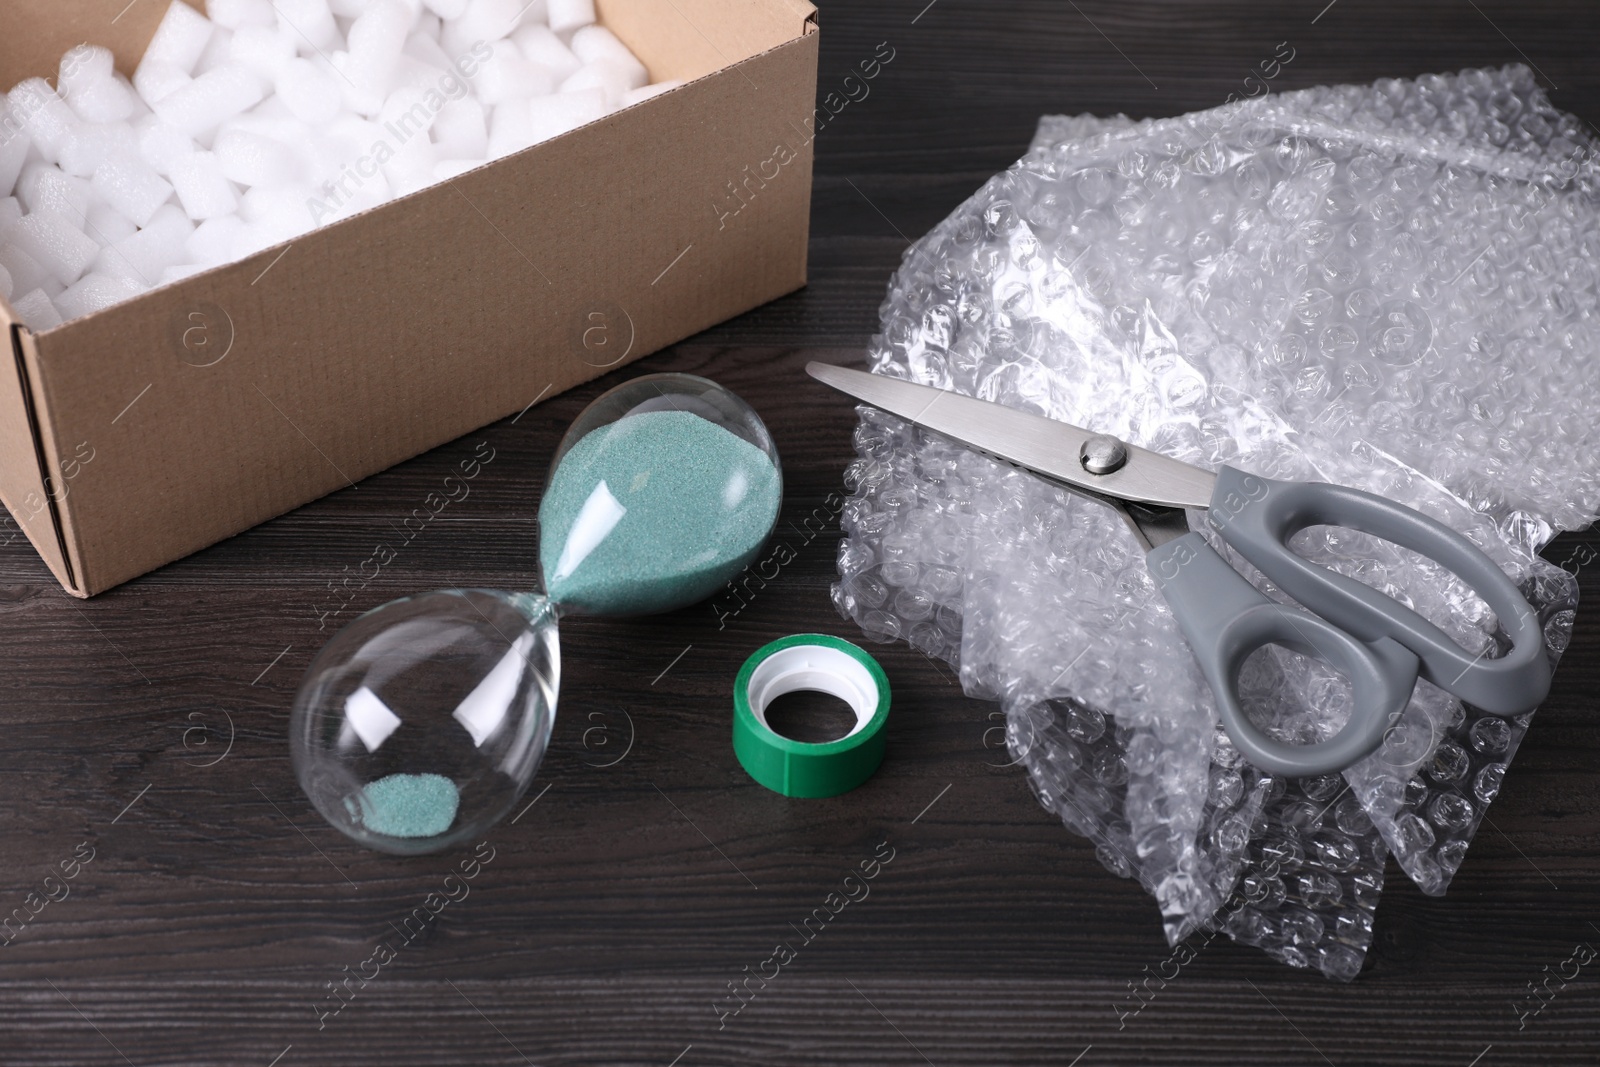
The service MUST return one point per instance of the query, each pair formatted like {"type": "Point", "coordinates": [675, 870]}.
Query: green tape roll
{"type": "Point", "coordinates": [824, 664]}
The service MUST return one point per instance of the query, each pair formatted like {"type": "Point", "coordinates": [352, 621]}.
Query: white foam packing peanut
{"type": "Point", "coordinates": [26, 272]}
{"type": "Point", "coordinates": [44, 115]}
{"type": "Point", "coordinates": [446, 9]}
{"type": "Point", "coordinates": [213, 240]}
{"type": "Point", "coordinates": [89, 83]}
{"type": "Point", "coordinates": [510, 129]}
{"type": "Point", "coordinates": [161, 144]}
{"type": "Point", "coordinates": [252, 159]}
{"type": "Point", "coordinates": [483, 20]}
{"type": "Point", "coordinates": [509, 75]}
{"type": "Point", "coordinates": [592, 43]}
{"type": "Point", "coordinates": [203, 189]}
{"type": "Point", "coordinates": [541, 45]}
{"type": "Point", "coordinates": [249, 128]}
{"type": "Point", "coordinates": [83, 66]}
{"type": "Point", "coordinates": [310, 90]}
{"type": "Point", "coordinates": [336, 153]}
{"type": "Point", "coordinates": [426, 47]}
{"type": "Point", "coordinates": [551, 116]}
{"type": "Point", "coordinates": [180, 271]}
{"type": "Point", "coordinates": [37, 310]}
{"type": "Point", "coordinates": [208, 101]}
{"type": "Point", "coordinates": [180, 39]}
{"type": "Point", "coordinates": [141, 257]}
{"type": "Point", "coordinates": [604, 76]}
{"type": "Point", "coordinates": [310, 20]}
{"type": "Point", "coordinates": [56, 244]}
{"type": "Point", "coordinates": [88, 144]}
{"type": "Point", "coordinates": [461, 130]}
{"type": "Point", "coordinates": [413, 73]}
{"type": "Point", "coordinates": [155, 80]}
{"type": "Point", "coordinates": [107, 225]}
{"type": "Point", "coordinates": [276, 214]}
{"type": "Point", "coordinates": [217, 54]}
{"type": "Point", "coordinates": [377, 40]}
{"type": "Point", "coordinates": [14, 145]}
{"type": "Point", "coordinates": [93, 292]}
{"type": "Point", "coordinates": [411, 167]}
{"type": "Point", "coordinates": [569, 15]}
{"type": "Point", "coordinates": [131, 186]}
{"type": "Point", "coordinates": [43, 187]}
{"type": "Point", "coordinates": [267, 50]}
{"type": "Point", "coordinates": [108, 100]}
{"type": "Point", "coordinates": [237, 14]}
{"type": "Point", "coordinates": [428, 25]}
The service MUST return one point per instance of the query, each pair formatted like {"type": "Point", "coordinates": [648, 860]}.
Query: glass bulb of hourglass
{"type": "Point", "coordinates": [662, 490]}
{"type": "Point", "coordinates": [420, 724]}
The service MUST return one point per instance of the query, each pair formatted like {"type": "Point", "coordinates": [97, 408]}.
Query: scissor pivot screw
{"type": "Point", "coordinates": [1102, 454]}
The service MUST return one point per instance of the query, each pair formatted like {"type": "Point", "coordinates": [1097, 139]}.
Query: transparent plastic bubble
{"type": "Point", "coordinates": [1490, 735]}
{"type": "Point", "coordinates": [422, 722]}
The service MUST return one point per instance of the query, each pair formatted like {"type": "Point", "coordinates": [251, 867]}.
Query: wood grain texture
{"type": "Point", "coordinates": [150, 722]}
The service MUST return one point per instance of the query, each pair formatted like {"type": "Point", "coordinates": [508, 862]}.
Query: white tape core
{"type": "Point", "coordinates": [816, 668]}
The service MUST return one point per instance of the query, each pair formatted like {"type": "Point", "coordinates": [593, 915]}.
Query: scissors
{"type": "Point", "coordinates": [1378, 644]}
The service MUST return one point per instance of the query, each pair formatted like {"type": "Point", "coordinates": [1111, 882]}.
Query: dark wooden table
{"type": "Point", "coordinates": [147, 727]}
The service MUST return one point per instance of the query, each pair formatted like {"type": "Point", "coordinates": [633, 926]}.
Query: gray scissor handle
{"type": "Point", "coordinates": [1225, 618]}
{"type": "Point", "coordinates": [1257, 516]}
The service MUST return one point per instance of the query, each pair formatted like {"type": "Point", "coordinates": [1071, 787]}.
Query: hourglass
{"type": "Point", "coordinates": [422, 722]}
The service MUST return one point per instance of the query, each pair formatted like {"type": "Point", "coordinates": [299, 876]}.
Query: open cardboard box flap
{"type": "Point", "coordinates": [141, 433]}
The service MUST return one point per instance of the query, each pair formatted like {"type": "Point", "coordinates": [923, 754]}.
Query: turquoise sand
{"type": "Point", "coordinates": [408, 805]}
{"type": "Point", "coordinates": [686, 505]}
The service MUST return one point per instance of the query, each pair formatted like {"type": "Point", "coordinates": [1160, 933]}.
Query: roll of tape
{"type": "Point", "coordinates": [823, 664]}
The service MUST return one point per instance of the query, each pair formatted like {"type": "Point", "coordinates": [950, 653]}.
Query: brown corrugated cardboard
{"type": "Point", "coordinates": [22, 460]}
{"type": "Point", "coordinates": [209, 406]}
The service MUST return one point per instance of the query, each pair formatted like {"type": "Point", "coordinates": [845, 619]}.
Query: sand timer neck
{"type": "Point", "coordinates": [536, 607]}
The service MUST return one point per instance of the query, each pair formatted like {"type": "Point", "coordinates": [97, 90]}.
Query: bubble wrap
{"type": "Point", "coordinates": [1387, 287]}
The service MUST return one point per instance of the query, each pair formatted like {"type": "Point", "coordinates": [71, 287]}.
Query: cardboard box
{"type": "Point", "coordinates": [142, 433]}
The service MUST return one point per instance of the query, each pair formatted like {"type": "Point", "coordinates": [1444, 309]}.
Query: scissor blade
{"type": "Point", "coordinates": [1041, 445]}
